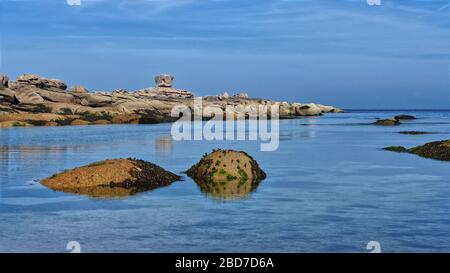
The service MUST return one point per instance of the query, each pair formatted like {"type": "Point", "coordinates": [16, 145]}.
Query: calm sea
{"type": "Point", "coordinates": [330, 188]}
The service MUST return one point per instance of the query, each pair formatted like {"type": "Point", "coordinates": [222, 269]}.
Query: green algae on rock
{"type": "Point", "coordinates": [225, 174]}
{"type": "Point", "coordinates": [111, 178]}
{"type": "Point", "coordinates": [439, 150]}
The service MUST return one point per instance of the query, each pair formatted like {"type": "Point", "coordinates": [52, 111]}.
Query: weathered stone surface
{"type": "Point", "coordinates": [164, 80]}
{"type": "Point", "coordinates": [78, 89]}
{"type": "Point", "coordinates": [28, 95]}
{"type": "Point", "coordinates": [173, 93]}
{"type": "Point", "coordinates": [44, 83]}
{"type": "Point", "coordinates": [93, 100]}
{"type": "Point", "coordinates": [7, 94]}
{"type": "Point", "coordinates": [308, 110]}
{"type": "Point", "coordinates": [112, 178]}
{"type": "Point", "coordinates": [227, 174]}
{"type": "Point", "coordinates": [79, 122]}
{"type": "Point", "coordinates": [4, 81]}
{"type": "Point", "coordinates": [55, 96]}
{"type": "Point", "coordinates": [34, 94]}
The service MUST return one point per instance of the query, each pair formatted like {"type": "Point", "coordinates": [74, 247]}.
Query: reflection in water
{"type": "Point", "coordinates": [164, 145]}
{"type": "Point", "coordinates": [227, 189]}
{"type": "Point", "coordinates": [108, 192]}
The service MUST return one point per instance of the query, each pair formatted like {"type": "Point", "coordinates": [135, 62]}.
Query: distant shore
{"type": "Point", "coordinates": [32, 100]}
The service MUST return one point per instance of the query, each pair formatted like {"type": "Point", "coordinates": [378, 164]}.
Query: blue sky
{"type": "Point", "coordinates": [339, 52]}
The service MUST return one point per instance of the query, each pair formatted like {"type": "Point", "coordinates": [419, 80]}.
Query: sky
{"type": "Point", "coordinates": [345, 53]}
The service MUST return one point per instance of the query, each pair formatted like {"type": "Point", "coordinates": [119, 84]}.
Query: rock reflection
{"type": "Point", "coordinates": [107, 192]}
{"type": "Point", "coordinates": [228, 190]}
{"type": "Point", "coordinates": [164, 145]}
{"type": "Point", "coordinates": [227, 174]}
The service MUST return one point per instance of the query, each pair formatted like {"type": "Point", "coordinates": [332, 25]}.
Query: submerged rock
{"type": "Point", "coordinates": [404, 117]}
{"type": "Point", "coordinates": [111, 178]}
{"type": "Point", "coordinates": [225, 174]}
{"type": "Point", "coordinates": [439, 150]}
{"type": "Point", "coordinates": [414, 133]}
{"type": "Point", "coordinates": [387, 122]}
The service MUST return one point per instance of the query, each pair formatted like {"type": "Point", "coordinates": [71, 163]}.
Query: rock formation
{"type": "Point", "coordinates": [404, 117]}
{"type": "Point", "coordinates": [111, 178]}
{"type": "Point", "coordinates": [439, 150]}
{"type": "Point", "coordinates": [164, 80]}
{"type": "Point", "coordinates": [31, 94]}
{"type": "Point", "coordinates": [227, 174]}
{"type": "Point", "coordinates": [4, 81]}
{"type": "Point", "coordinates": [387, 122]}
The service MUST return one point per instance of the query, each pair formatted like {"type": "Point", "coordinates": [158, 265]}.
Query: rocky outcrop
{"type": "Point", "coordinates": [439, 150]}
{"type": "Point", "coordinates": [32, 94]}
{"type": "Point", "coordinates": [93, 100]}
{"type": "Point", "coordinates": [405, 117]}
{"type": "Point", "coordinates": [173, 93]}
{"type": "Point", "coordinates": [111, 178]}
{"type": "Point", "coordinates": [387, 122]}
{"type": "Point", "coordinates": [414, 133]}
{"type": "Point", "coordinates": [6, 95]}
{"type": "Point", "coordinates": [164, 80]}
{"type": "Point", "coordinates": [38, 81]}
{"type": "Point", "coordinates": [241, 96]}
{"type": "Point", "coordinates": [227, 174]}
{"type": "Point", "coordinates": [27, 95]}
{"type": "Point", "coordinates": [55, 96]}
{"type": "Point", "coordinates": [78, 89]}
{"type": "Point", "coordinates": [4, 81]}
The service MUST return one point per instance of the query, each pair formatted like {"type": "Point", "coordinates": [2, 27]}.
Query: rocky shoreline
{"type": "Point", "coordinates": [32, 100]}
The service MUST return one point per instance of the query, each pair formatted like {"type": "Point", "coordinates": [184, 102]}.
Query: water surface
{"type": "Point", "coordinates": [330, 188]}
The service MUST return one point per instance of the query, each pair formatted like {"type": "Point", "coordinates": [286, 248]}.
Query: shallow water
{"type": "Point", "coordinates": [329, 189]}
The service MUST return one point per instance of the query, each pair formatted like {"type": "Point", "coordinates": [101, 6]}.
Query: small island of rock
{"type": "Point", "coordinates": [225, 174]}
{"type": "Point", "coordinates": [111, 178]}
{"type": "Point", "coordinates": [439, 150]}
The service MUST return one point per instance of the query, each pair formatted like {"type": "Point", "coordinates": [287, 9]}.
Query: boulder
{"type": "Point", "coordinates": [164, 80]}
{"type": "Point", "coordinates": [44, 83]}
{"type": "Point", "coordinates": [307, 110]}
{"type": "Point", "coordinates": [387, 122]}
{"type": "Point", "coordinates": [55, 96]}
{"type": "Point", "coordinates": [241, 96]}
{"type": "Point", "coordinates": [111, 178]}
{"type": "Point", "coordinates": [6, 94]}
{"type": "Point", "coordinates": [28, 95]}
{"type": "Point", "coordinates": [227, 174]}
{"type": "Point", "coordinates": [4, 81]}
{"type": "Point", "coordinates": [93, 100]}
{"type": "Point", "coordinates": [78, 89]}
{"type": "Point", "coordinates": [329, 109]}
